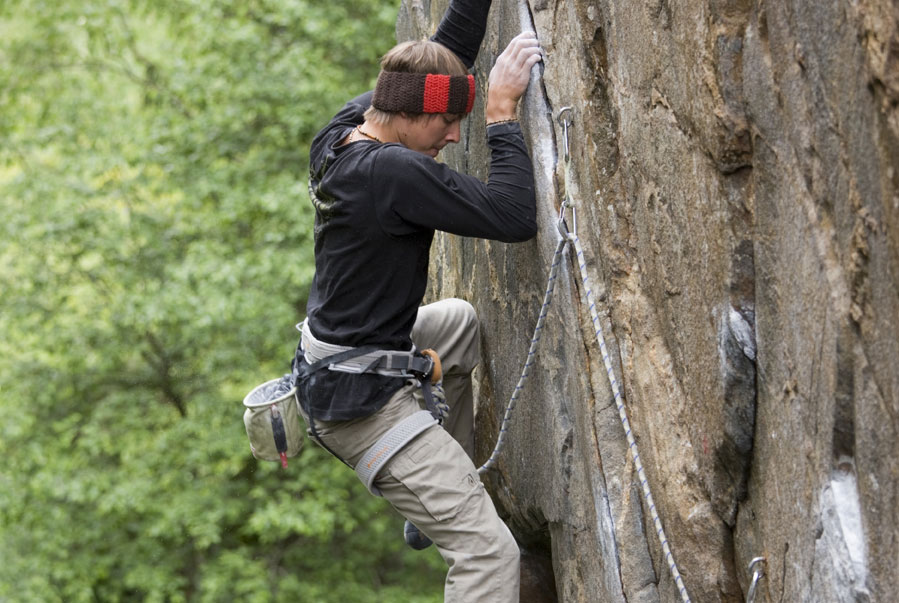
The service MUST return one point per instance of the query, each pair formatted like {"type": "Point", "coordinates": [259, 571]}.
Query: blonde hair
{"type": "Point", "coordinates": [421, 56]}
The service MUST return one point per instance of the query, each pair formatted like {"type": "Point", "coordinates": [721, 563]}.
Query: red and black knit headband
{"type": "Point", "coordinates": [424, 93]}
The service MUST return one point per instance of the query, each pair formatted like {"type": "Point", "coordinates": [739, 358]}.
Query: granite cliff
{"type": "Point", "coordinates": [735, 173]}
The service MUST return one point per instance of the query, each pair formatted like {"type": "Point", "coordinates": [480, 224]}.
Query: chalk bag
{"type": "Point", "coordinates": [273, 421]}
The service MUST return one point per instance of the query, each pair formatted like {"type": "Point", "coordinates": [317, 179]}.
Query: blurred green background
{"type": "Point", "coordinates": [155, 253]}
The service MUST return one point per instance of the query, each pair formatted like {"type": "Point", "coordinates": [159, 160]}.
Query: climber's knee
{"type": "Point", "coordinates": [451, 328]}
{"type": "Point", "coordinates": [466, 334]}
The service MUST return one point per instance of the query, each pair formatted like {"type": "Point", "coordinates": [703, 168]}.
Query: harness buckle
{"type": "Point", "coordinates": [435, 371]}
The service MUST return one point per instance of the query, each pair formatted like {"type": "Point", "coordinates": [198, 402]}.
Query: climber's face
{"type": "Point", "coordinates": [429, 133]}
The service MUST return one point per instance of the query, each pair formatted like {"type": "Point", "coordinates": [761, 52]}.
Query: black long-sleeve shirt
{"type": "Point", "coordinates": [377, 207]}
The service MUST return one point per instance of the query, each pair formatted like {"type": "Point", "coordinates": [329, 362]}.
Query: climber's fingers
{"type": "Point", "coordinates": [510, 75]}
{"type": "Point", "coordinates": [525, 49]}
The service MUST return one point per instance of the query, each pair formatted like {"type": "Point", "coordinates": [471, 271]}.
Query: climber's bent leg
{"type": "Point", "coordinates": [450, 327]}
{"type": "Point", "coordinates": [434, 484]}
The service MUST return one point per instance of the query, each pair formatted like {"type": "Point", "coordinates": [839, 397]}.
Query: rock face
{"type": "Point", "coordinates": [734, 166]}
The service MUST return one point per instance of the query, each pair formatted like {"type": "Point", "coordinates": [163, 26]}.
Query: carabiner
{"type": "Point", "coordinates": [560, 224]}
{"type": "Point", "coordinates": [756, 576]}
{"type": "Point", "coordinates": [563, 228]}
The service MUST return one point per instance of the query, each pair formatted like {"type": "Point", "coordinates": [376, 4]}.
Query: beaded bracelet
{"type": "Point", "coordinates": [502, 121]}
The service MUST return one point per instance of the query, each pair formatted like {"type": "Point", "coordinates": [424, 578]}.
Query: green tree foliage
{"type": "Point", "coordinates": [155, 253]}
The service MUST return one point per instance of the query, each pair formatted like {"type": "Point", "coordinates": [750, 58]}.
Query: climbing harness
{"type": "Point", "coordinates": [272, 419]}
{"type": "Point", "coordinates": [570, 236]}
{"type": "Point", "coordinates": [757, 568]}
{"type": "Point", "coordinates": [368, 359]}
{"type": "Point", "coordinates": [423, 367]}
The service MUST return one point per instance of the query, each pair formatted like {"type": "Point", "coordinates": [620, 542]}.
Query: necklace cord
{"type": "Point", "coordinates": [367, 135]}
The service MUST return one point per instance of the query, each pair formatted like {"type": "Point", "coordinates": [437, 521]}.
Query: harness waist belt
{"type": "Point", "coordinates": [390, 363]}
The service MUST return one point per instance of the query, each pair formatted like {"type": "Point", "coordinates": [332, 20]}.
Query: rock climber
{"type": "Point", "coordinates": [379, 196]}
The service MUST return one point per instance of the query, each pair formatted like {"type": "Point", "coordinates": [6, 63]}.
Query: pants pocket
{"type": "Point", "coordinates": [435, 468]}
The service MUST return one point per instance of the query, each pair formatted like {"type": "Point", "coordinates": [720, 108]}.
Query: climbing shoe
{"type": "Point", "coordinates": [414, 537]}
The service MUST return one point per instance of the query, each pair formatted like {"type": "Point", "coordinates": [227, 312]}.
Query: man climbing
{"type": "Point", "coordinates": [379, 197]}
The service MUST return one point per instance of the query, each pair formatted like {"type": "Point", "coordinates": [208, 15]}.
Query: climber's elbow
{"type": "Point", "coordinates": [522, 229]}
{"type": "Point", "coordinates": [517, 218]}
{"type": "Point", "coordinates": [527, 224]}
{"type": "Point", "coordinates": [528, 233]}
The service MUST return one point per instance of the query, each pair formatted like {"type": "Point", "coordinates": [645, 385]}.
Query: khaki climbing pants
{"type": "Point", "coordinates": [432, 481]}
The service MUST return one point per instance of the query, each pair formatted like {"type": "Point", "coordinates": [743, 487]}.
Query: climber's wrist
{"type": "Point", "coordinates": [501, 111]}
